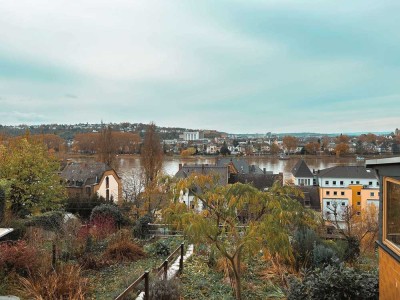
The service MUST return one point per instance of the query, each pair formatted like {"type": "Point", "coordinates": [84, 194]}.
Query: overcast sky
{"type": "Point", "coordinates": [235, 66]}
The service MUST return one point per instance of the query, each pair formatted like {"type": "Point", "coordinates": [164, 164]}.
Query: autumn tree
{"type": "Point", "coordinates": [151, 154]}
{"type": "Point", "coordinates": [106, 147]}
{"type": "Point", "coordinates": [290, 143]}
{"type": "Point", "coordinates": [86, 142]}
{"type": "Point", "coordinates": [31, 175]}
{"type": "Point", "coordinates": [238, 220]}
{"type": "Point", "coordinates": [312, 147]}
{"type": "Point", "coordinates": [188, 152]}
{"type": "Point", "coordinates": [274, 148]}
{"type": "Point", "coordinates": [341, 148]}
{"type": "Point", "coordinates": [53, 142]}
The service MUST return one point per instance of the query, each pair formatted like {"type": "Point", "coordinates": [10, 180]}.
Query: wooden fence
{"type": "Point", "coordinates": [161, 270]}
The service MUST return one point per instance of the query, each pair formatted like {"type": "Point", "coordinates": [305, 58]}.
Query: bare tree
{"type": "Point", "coordinates": [134, 184]}
{"type": "Point", "coordinates": [358, 228]}
{"type": "Point", "coordinates": [151, 155]}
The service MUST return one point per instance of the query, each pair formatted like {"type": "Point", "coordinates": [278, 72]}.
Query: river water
{"type": "Point", "coordinates": [127, 164]}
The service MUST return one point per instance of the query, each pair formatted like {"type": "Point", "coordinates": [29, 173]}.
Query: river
{"type": "Point", "coordinates": [126, 164]}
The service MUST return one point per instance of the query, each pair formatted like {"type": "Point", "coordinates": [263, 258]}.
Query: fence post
{"type": "Point", "coordinates": [146, 285]}
{"type": "Point", "coordinates": [166, 269]}
{"type": "Point", "coordinates": [181, 259]}
{"type": "Point", "coordinates": [54, 253]}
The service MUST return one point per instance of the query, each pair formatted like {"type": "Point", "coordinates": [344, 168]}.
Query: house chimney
{"type": "Point", "coordinates": [180, 167]}
{"type": "Point", "coordinates": [265, 170]}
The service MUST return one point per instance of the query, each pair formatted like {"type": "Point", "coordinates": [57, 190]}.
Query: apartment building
{"type": "Point", "coordinates": [347, 186]}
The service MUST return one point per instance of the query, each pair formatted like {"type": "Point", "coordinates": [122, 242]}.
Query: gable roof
{"type": "Point", "coordinates": [78, 174]}
{"type": "Point", "coordinates": [360, 172]}
{"type": "Point", "coordinates": [301, 170]}
{"type": "Point", "coordinates": [241, 165]}
{"type": "Point", "coordinates": [221, 171]}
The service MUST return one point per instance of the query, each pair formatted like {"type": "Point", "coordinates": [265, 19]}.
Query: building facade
{"type": "Point", "coordinates": [83, 180]}
{"type": "Point", "coordinates": [388, 171]}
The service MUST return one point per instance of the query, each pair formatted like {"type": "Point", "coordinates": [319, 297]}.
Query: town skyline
{"type": "Point", "coordinates": [97, 126]}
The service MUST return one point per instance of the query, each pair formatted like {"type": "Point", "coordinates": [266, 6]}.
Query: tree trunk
{"type": "Point", "coordinates": [235, 261]}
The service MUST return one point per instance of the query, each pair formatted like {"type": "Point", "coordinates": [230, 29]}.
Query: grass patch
{"type": "Point", "coordinates": [199, 281]}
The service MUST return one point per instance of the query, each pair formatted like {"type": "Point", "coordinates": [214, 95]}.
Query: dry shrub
{"type": "Point", "coordinates": [65, 283]}
{"type": "Point", "coordinates": [276, 271]}
{"type": "Point", "coordinates": [19, 257]}
{"type": "Point", "coordinates": [123, 250]}
{"type": "Point", "coordinates": [103, 226]}
{"type": "Point", "coordinates": [90, 262]}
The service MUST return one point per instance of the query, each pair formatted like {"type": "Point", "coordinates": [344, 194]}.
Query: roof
{"type": "Point", "coordinates": [383, 161]}
{"type": "Point", "coordinates": [221, 171]}
{"type": "Point", "coordinates": [360, 172]}
{"type": "Point", "coordinates": [301, 169]}
{"type": "Point", "coordinates": [84, 173]}
{"type": "Point", "coordinates": [241, 165]}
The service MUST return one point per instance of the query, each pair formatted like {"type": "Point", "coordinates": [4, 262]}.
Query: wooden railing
{"type": "Point", "coordinates": [162, 269]}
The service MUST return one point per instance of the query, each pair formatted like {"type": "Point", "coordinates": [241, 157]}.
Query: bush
{"type": "Point", "coordinates": [160, 248]}
{"type": "Point", "coordinates": [124, 250]}
{"type": "Point", "coordinates": [84, 207]}
{"type": "Point", "coordinates": [19, 257]}
{"type": "Point", "coordinates": [91, 262]}
{"type": "Point", "coordinates": [51, 221]}
{"type": "Point", "coordinates": [107, 211]}
{"type": "Point", "coordinates": [304, 241]}
{"type": "Point", "coordinates": [65, 283]}
{"type": "Point", "coordinates": [165, 290]}
{"type": "Point", "coordinates": [142, 228]}
{"type": "Point", "coordinates": [335, 282]}
{"type": "Point", "coordinates": [322, 256]}
{"type": "Point", "coordinates": [352, 251]}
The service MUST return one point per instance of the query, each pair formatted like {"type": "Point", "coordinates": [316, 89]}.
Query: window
{"type": "Point", "coordinates": [342, 193]}
{"type": "Point", "coordinates": [358, 203]}
{"type": "Point", "coordinates": [370, 183]}
{"type": "Point", "coordinates": [88, 190]}
{"type": "Point", "coordinates": [342, 182]}
{"type": "Point", "coordinates": [358, 193]}
{"type": "Point", "coordinates": [328, 203]}
{"type": "Point", "coordinates": [372, 194]}
{"type": "Point", "coordinates": [326, 182]}
{"type": "Point", "coordinates": [108, 195]}
{"type": "Point", "coordinates": [357, 182]}
{"type": "Point", "coordinates": [343, 203]}
{"type": "Point", "coordinates": [334, 182]}
{"type": "Point", "coordinates": [358, 213]}
{"type": "Point", "coordinates": [327, 192]}
{"type": "Point", "coordinates": [391, 214]}
{"type": "Point", "coordinates": [335, 193]}
{"type": "Point", "coordinates": [107, 182]}
{"type": "Point", "coordinates": [352, 182]}
{"type": "Point", "coordinates": [377, 183]}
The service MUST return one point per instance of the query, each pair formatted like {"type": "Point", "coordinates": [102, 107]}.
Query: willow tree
{"type": "Point", "coordinates": [238, 220]}
{"type": "Point", "coordinates": [30, 173]}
